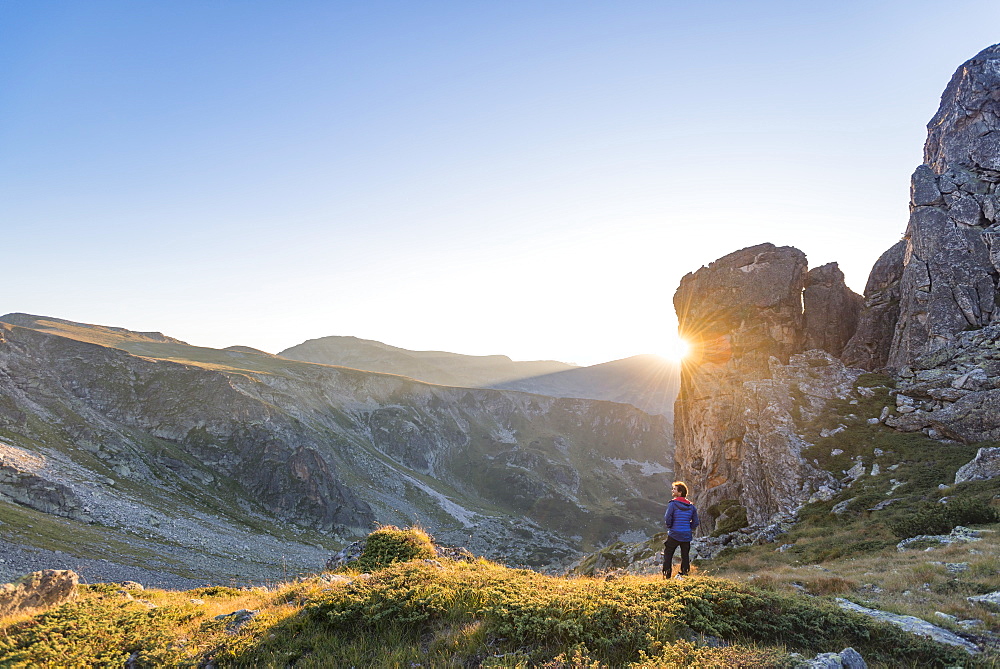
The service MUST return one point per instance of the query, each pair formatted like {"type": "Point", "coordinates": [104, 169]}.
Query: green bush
{"type": "Point", "coordinates": [930, 518]}
{"type": "Point", "coordinates": [390, 544]}
{"type": "Point", "coordinates": [730, 516]}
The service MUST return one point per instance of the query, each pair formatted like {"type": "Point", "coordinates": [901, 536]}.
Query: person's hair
{"type": "Point", "coordinates": [681, 488]}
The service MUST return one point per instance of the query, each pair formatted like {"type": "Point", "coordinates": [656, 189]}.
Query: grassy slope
{"type": "Point", "coordinates": [446, 613]}
{"type": "Point", "coordinates": [853, 554]}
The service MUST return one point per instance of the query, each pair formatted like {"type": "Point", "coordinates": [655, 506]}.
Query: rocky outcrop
{"type": "Point", "coordinates": [911, 624]}
{"type": "Point", "coordinates": [985, 466]}
{"type": "Point", "coordinates": [954, 391]}
{"type": "Point", "coordinates": [951, 260]}
{"type": "Point", "coordinates": [743, 385]}
{"type": "Point", "coordinates": [869, 347]}
{"type": "Point", "coordinates": [38, 590]}
{"type": "Point", "coordinates": [736, 313]}
{"type": "Point", "coordinates": [830, 309]}
{"type": "Point", "coordinates": [23, 480]}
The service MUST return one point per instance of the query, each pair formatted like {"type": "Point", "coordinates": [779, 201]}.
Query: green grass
{"type": "Point", "coordinates": [456, 614]}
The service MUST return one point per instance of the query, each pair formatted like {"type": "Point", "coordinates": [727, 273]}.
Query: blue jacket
{"type": "Point", "coordinates": [681, 518]}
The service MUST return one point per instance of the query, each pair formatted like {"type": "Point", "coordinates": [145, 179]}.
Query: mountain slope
{"type": "Point", "coordinates": [647, 382]}
{"type": "Point", "coordinates": [202, 449]}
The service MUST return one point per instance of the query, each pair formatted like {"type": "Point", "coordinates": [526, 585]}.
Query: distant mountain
{"type": "Point", "coordinates": [647, 382]}
{"type": "Point", "coordinates": [121, 449]}
{"type": "Point", "coordinates": [442, 368]}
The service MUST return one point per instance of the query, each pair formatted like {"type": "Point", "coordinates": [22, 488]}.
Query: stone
{"type": "Point", "coordinates": [972, 418]}
{"type": "Point", "coordinates": [830, 309]}
{"type": "Point", "coordinates": [237, 619]}
{"type": "Point", "coordinates": [911, 624]}
{"type": "Point", "coordinates": [883, 504]}
{"type": "Point", "coordinates": [958, 535]}
{"type": "Point", "coordinates": [869, 347]}
{"type": "Point", "coordinates": [991, 600]}
{"type": "Point", "coordinates": [985, 466]}
{"type": "Point", "coordinates": [845, 659]}
{"type": "Point", "coordinates": [38, 590]}
{"type": "Point", "coordinates": [841, 507]}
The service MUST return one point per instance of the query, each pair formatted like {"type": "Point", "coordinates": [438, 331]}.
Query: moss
{"type": "Point", "coordinates": [388, 545]}
{"type": "Point", "coordinates": [730, 516]}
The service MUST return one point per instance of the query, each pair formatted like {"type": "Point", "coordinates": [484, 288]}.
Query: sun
{"type": "Point", "coordinates": [675, 348]}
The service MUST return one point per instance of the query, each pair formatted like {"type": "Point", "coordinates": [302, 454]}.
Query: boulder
{"type": "Point", "coordinates": [38, 590]}
{"type": "Point", "coordinates": [830, 309]}
{"type": "Point", "coordinates": [911, 624]}
{"type": "Point", "coordinates": [985, 466]}
{"type": "Point", "coordinates": [869, 346]}
{"type": "Point", "coordinates": [973, 418]}
{"type": "Point", "coordinates": [989, 600]}
{"type": "Point", "coordinates": [845, 659]}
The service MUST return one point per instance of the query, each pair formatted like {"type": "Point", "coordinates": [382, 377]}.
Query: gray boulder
{"type": "Point", "coordinates": [985, 466]}
{"type": "Point", "coordinates": [991, 600]}
{"type": "Point", "coordinates": [911, 624]}
{"type": "Point", "coordinates": [845, 659]}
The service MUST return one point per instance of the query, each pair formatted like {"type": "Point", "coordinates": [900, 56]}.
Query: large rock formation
{"type": "Point", "coordinates": [743, 315]}
{"type": "Point", "coordinates": [951, 260]}
{"type": "Point", "coordinates": [869, 347]}
{"type": "Point", "coordinates": [830, 309]}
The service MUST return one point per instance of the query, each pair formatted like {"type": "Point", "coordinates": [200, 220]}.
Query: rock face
{"type": "Point", "coordinates": [38, 590]}
{"type": "Point", "coordinates": [953, 391]}
{"type": "Point", "coordinates": [951, 260]}
{"type": "Point", "coordinates": [741, 387]}
{"type": "Point", "coordinates": [830, 309]}
{"type": "Point", "coordinates": [869, 347]}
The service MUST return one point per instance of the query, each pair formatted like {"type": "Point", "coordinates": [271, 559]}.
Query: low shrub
{"type": "Point", "coordinates": [730, 516]}
{"type": "Point", "coordinates": [931, 518]}
{"type": "Point", "coordinates": [389, 544]}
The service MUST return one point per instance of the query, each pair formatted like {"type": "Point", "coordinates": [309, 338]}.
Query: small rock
{"type": "Point", "coordinates": [237, 619]}
{"type": "Point", "coordinates": [991, 600]}
{"type": "Point", "coordinates": [882, 505]}
{"type": "Point", "coordinates": [841, 507]}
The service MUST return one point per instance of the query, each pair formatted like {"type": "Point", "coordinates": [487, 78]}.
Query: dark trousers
{"type": "Point", "coordinates": [668, 556]}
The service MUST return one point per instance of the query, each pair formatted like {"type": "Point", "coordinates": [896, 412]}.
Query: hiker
{"type": "Point", "coordinates": [681, 518]}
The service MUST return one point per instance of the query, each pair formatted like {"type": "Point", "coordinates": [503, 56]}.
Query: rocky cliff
{"type": "Point", "coordinates": [216, 451]}
{"type": "Point", "coordinates": [945, 281]}
{"type": "Point", "coordinates": [744, 317]}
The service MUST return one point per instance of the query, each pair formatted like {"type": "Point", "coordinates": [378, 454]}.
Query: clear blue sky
{"type": "Point", "coordinates": [529, 178]}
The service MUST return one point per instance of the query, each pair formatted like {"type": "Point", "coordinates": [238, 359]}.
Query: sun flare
{"type": "Point", "coordinates": [675, 348]}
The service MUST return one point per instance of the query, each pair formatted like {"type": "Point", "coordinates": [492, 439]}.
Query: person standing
{"type": "Point", "coordinates": [681, 518]}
